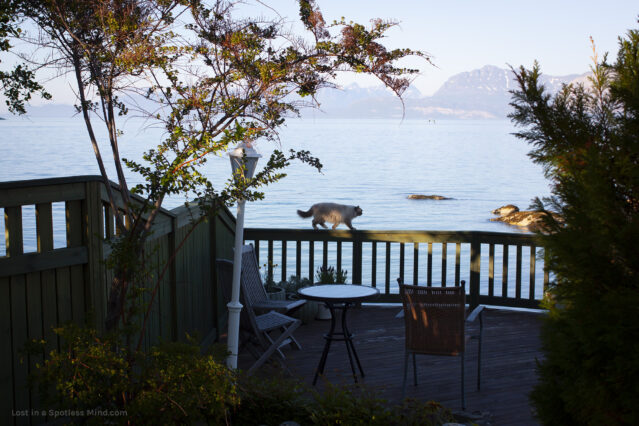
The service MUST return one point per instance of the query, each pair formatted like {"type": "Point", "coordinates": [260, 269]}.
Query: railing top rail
{"type": "Point", "coordinates": [11, 197]}
{"type": "Point", "coordinates": [50, 181]}
{"type": "Point", "coordinates": [390, 235]}
{"type": "Point", "coordinates": [37, 193]}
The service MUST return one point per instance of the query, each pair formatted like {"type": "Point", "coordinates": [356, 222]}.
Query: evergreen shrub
{"type": "Point", "coordinates": [587, 139]}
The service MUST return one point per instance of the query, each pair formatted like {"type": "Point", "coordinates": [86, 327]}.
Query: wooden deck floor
{"type": "Point", "coordinates": [511, 345]}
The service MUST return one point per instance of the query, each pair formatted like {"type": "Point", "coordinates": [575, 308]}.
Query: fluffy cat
{"type": "Point", "coordinates": [333, 213]}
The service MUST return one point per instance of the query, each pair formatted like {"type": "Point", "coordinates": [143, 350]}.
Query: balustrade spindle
{"type": "Point", "coordinates": [402, 254]}
{"type": "Point", "coordinates": [491, 270]}
{"type": "Point", "coordinates": [374, 265]}
{"type": "Point", "coordinates": [388, 266]}
{"type": "Point", "coordinates": [504, 272]}
{"type": "Point", "coordinates": [518, 273]}
{"type": "Point", "coordinates": [415, 263]}
{"type": "Point", "coordinates": [457, 262]}
{"type": "Point", "coordinates": [533, 261]}
{"type": "Point", "coordinates": [284, 252]}
{"type": "Point", "coordinates": [444, 258]}
{"type": "Point", "coordinates": [430, 265]}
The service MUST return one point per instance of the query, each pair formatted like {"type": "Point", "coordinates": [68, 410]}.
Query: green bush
{"type": "Point", "coordinates": [274, 400]}
{"type": "Point", "coordinates": [173, 383]}
{"type": "Point", "coordinates": [178, 384]}
{"type": "Point", "coordinates": [170, 384]}
{"type": "Point", "coordinates": [587, 139]}
{"type": "Point", "coordinates": [342, 405]}
{"type": "Point", "coordinates": [271, 401]}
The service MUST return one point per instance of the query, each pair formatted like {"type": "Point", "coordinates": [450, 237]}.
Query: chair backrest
{"type": "Point", "coordinates": [434, 319]}
{"type": "Point", "coordinates": [252, 286]}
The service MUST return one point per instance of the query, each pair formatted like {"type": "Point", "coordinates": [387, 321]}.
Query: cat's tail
{"type": "Point", "coordinates": [309, 213]}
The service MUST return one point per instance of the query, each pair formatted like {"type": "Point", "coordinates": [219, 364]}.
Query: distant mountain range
{"type": "Point", "coordinates": [479, 94]}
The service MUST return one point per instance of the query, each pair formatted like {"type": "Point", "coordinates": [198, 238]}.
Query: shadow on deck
{"type": "Point", "coordinates": [511, 346]}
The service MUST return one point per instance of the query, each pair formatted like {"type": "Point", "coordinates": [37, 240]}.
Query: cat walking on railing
{"type": "Point", "coordinates": [333, 213]}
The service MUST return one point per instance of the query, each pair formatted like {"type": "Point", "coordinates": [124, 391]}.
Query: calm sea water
{"type": "Point", "coordinates": [375, 164]}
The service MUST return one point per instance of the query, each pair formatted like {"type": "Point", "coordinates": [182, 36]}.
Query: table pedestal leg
{"type": "Point", "coordinates": [346, 337]}
{"type": "Point", "coordinates": [350, 347]}
{"type": "Point", "coordinates": [327, 345]}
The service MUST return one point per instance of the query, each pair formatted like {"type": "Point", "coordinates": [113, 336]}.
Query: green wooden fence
{"type": "Point", "coordinates": [483, 259]}
{"type": "Point", "coordinates": [49, 286]}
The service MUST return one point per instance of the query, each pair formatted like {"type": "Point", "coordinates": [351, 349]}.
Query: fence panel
{"type": "Point", "coordinates": [42, 287]}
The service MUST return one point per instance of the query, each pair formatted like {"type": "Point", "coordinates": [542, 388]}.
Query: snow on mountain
{"type": "Point", "coordinates": [477, 94]}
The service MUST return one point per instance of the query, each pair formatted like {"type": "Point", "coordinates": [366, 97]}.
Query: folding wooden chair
{"type": "Point", "coordinates": [254, 291]}
{"type": "Point", "coordinates": [257, 332]}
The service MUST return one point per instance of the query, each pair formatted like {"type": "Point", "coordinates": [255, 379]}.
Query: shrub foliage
{"type": "Point", "coordinates": [174, 383]}
{"type": "Point", "coordinates": [170, 384]}
{"type": "Point", "coordinates": [587, 139]}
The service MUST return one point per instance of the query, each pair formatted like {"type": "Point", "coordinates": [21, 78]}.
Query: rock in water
{"type": "Point", "coordinates": [531, 220]}
{"type": "Point", "coordinates": [506, 210]}
{"type": "Point", "coordinates": [427, 197]}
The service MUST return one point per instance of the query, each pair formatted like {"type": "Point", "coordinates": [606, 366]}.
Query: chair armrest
{"type": "Point", "coordinates": [281, 306]}
{"type": "Point", "coordinates": [475, 313]}
{"type": "Point", "coordinates": [264, 306]}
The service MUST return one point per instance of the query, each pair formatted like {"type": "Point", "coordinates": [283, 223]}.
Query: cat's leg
{"type": "Point", "coordinates": [335, 225]}
{"type": "Point", "coordinates": [318, 222]}
{"type": "Point", "coordinates": [323, 225]}
{"type": "Point", "coordinates": [350, 226]}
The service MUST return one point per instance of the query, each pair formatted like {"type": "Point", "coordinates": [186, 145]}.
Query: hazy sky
{"type": "Point", "coordinates": [463, 35]}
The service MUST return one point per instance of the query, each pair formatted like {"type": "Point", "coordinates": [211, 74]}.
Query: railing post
{"type": "Point", "coordinates": [357, 258]}
{"type": "Point", "coordinates": [475, 267]}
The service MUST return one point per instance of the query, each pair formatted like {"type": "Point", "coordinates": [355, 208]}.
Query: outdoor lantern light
{"type": "Point", "coordinates": [243, 163]}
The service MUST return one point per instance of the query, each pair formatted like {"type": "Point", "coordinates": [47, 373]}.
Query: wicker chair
{"type": "Point", "coordinates": [435, 319]}
{"type": "Point", "coordinates": [254, 291]}
{"type": "Point", "coordinates": [264, 334]}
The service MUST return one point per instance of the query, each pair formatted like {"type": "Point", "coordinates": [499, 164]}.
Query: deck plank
{"type": "Point", "coordinates": [510, 347]}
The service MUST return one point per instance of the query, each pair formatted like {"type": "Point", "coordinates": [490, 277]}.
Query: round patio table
{"type": "Point", "coordinates": [339, 297]}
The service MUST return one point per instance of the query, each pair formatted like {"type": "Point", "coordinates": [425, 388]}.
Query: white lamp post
{"type": "Point", "coordinates": [243, 163]}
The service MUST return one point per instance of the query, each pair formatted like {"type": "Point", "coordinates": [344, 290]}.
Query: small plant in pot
{"type": "Point", "coordinates": [328, 275]}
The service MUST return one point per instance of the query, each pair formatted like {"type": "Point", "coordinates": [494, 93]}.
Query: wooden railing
{"type": "Point", "coordinates": [493, 264]}
{"type": "Point", "coordinates": [53, 271]}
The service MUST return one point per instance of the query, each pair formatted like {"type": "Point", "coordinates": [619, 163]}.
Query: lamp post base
{"type": "Point", "coordinates": [233, 334]}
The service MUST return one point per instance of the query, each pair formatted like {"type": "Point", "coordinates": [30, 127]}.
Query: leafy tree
{"type": "Point", "coordinates": [19, 83]}
{"type": "Point", "coordinates": [218, 78]}
{"type": "Point", "coordinates": [587, 139]}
